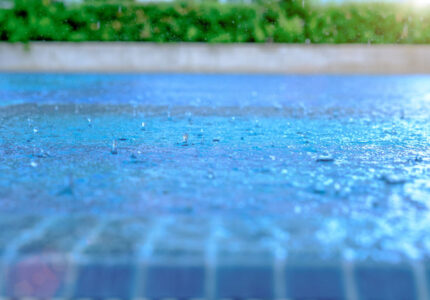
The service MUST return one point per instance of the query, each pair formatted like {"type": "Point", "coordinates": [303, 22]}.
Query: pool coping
{"type": "Point", "coordinates": [124, 57]}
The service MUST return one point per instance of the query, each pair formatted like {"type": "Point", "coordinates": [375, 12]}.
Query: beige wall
{"type": "Point", "coordinates": [228, 58]}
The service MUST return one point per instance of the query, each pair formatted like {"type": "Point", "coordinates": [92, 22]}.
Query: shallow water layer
{"type": "Point", "coordinates": [344, 158]}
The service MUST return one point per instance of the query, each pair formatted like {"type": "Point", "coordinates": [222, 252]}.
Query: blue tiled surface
{"type": "Point", "coordinates": [104, 281]}
{"type": "Point", "coordinates": [182, 282]}
{"type": "Point", "coordinates": [210, 273]}
{"type": "Point", "coordinates": [385, 282]}
{"type": "Point", "coordinates": [245, 282]}
{"type": "Point", "coordinates": [315, 282]}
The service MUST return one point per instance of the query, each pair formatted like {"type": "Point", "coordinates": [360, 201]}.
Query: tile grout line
{"type": "Point", "coordinates": [11, 251]}
{"type": "Point", "coordinates": [75, 257]}
{"type": "Point", "coordinates": [279, 257]}
{"type": "Point", "coordinates": [349, 280]}
{"type": "Point", "coordinates": [279, 277]}
{"type": "Point", "coordinates": [421, 280]}
{"type": "Point", "coordinates": [211, 260]}
{"type": "Point", "coordinates": [145, 251]}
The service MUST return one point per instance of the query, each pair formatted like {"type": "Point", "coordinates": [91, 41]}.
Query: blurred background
{"type": "Point", "coordinates": [227, 21]}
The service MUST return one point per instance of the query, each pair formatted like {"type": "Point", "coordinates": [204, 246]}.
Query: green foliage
{"type": "Point", "coordinates": [281, 21]}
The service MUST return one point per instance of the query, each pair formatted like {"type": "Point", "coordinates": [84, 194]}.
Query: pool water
{"type": "Point", "coordinates": [337, 167]}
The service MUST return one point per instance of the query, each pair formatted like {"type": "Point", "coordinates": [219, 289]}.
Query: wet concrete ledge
{"type": "Point", "coordinates": [219, 58]}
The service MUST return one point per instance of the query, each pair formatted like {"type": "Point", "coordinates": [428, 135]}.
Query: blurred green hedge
{"type": "Point", "coordinates": [280, 21]}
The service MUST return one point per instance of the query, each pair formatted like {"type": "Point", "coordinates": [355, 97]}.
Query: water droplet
{"type": "Point", "coordinates": [40, 153]}
{"type": "Point", "coordinates": [325, 158]}
{"type": "Point", "coordinates": [393, 179]}
{"type": "Point", "coordinates": [418, 158]}
{"type": "Point", "coordinates": [114, 149]}
{"type": "Point", "coordinates": [319, 188]}
{"type": "Point", "coordinates": [185, 139]}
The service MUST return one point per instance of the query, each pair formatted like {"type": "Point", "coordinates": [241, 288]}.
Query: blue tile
{"type": "Point", "coordinates": [385, 282]}
{"type": "Point", "coordinates": [101, 280]}
{"type": "Point", "coordinates": [314, 282]}
{"type": "Point", "coordinates": [175, 281]}
{"type": "Point", "coordinates": [245, 282]}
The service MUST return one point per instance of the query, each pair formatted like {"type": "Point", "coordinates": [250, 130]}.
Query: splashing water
{"type": "Point", "coordinates": [344, 159]}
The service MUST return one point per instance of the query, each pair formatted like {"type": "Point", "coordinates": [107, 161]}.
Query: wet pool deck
{"type": "Point", "coordinates": [269, 187]}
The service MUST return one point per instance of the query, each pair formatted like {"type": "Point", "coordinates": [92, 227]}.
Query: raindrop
{"type": "Point", "coordinates": [418, 158]}
{"type": "Point", "coordinates": [393, 179]}
{"type": "Point", "coordinates": [325, 158]}
{"type": "Point", "coordinates": [185, 139]}
{"type": "Point", "coordinates": [319, 188]}
{"type": "Point", "coordinates": [40, 153]}
{"type": "Point", "coordinates": [114, 149]}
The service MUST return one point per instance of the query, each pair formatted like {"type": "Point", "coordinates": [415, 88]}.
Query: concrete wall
{"type": "Point", "coordinates": [229, 58]}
